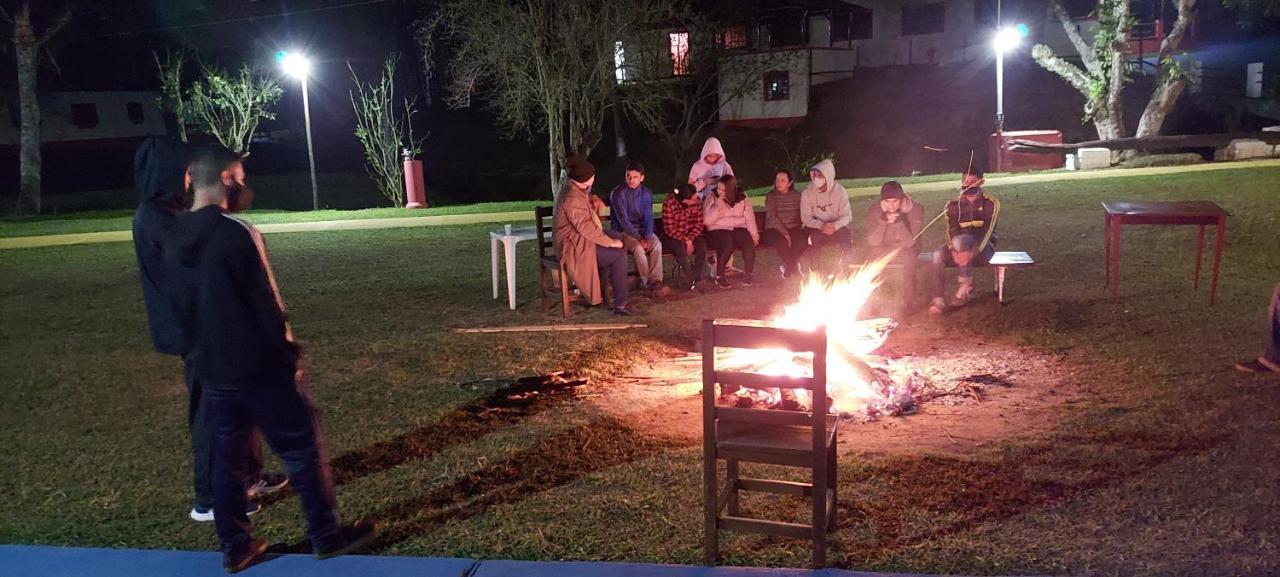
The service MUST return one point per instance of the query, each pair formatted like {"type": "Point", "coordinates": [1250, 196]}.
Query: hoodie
{"type": "Point", "coordinates": [819, 207]}
{"type": "Point", "coordinates": [631, 210]}
{"type": "Point", "coordinates": [977, 219]}
{"type": "Point", "coordinates": [159, 170]}
{"type": "Point", "coordinates": [703, 175]}
{"type": "Point", "coordinates": [718, 215]}
{"type": "Point", "coordinates": [225, 297]}
{"type": "Point", "coordinates": [898, 234]}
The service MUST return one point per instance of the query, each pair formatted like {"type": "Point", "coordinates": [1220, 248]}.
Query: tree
{"type": "Point", "coordinates": [542, 66]}
{"type": "Point", "coordinates": [172, 94]}
{"type": "Point", "coordinates": [383, 132]}
{"type": "Point", "coordinates": [1103, 72]}
{"type": "Point", "coordinates": [229, 108]}
{"type": "Point", "coordinates": [27, 43]}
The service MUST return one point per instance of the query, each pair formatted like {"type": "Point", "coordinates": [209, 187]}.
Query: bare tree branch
{"type": "Point", "coordinates": [1044, 56]}
{"type": "Point", "coordinates": [1082, 47]}
{"type": "Point", "coordinates": [56, 27]}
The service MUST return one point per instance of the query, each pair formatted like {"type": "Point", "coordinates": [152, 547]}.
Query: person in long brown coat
{"type": "Point", "coordinates": [581, 242]}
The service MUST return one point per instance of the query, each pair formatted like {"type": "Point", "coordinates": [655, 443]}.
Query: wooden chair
{"type": "Point", "coordinates": [549, 261]}
{"type": "Point", "coordinates": [789, 438]}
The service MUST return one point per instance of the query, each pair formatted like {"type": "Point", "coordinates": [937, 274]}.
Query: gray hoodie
{"type": "Point", "coordinates": [819, 207]}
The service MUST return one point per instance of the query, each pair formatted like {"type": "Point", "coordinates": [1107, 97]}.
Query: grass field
{"type": "Point", "coordinates": [1167, 465]}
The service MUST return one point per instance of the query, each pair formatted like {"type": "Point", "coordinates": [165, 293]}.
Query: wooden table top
{"type": "Point", "coordinates": [1201, 208]}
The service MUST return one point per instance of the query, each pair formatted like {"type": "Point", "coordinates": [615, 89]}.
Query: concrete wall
{"type": "Point", "coordinates": [745, 74]}
{"type": "Point", "coordinates": [56, 124]}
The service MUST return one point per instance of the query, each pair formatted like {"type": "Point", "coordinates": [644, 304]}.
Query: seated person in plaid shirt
{"type": "Point", "coordinates": [682, 230]}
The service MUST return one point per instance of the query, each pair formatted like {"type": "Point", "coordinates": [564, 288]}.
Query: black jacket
{"type": "Point", "coordinates": [225, 297]}
{"type": "Point", "coordinates": [159, 167]}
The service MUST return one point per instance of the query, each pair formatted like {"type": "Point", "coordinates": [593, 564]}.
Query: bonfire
{"type": "Point", "coordinates": [861, 384]}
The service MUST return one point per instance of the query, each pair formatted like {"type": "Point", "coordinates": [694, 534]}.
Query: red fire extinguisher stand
{"type": "Point", "coordinates": [415, 189]}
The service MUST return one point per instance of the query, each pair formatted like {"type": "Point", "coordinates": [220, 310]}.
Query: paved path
{"type": "Point", "coordinates": [37, 561]}
{"type": "Point", "coordinates": [523, 216]}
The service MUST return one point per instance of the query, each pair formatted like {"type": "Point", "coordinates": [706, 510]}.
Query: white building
{"type": "Point", "coordinates": [86, 117]}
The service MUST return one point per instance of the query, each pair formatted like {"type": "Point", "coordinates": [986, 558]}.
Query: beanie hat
{"type": "Point", "coordinates": [580, 169]}
{"type": "Point", "coordinates": [891, 189]}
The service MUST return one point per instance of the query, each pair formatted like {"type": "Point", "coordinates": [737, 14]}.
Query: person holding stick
{"type": "Point", "coordinates": [971, 240]}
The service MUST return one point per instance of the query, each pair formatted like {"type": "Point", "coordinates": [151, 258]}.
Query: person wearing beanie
{"type": "Point", "coordinates": [825, 211]}
{"type": "Point", "coordinates": [631, 217]}
{"type": "Point", "coordinates": [580, 240]}
{"type": "Point", "coordinates": [893, 223]}
{"type": "Point", "coordinates": [971, 240]}
{"type": "Point", "coordinates": [1269, 360]}
{"type": "Point", "coordinates": [783, 229]}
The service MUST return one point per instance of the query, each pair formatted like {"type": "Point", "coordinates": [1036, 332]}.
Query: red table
{"type": "Point", "coordinates": [1197, 212]}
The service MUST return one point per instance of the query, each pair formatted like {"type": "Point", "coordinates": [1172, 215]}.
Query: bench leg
{"type": "Point", "coordinates": [1000, 284]}
{"type": "Point", "coordinates": [564, 289]}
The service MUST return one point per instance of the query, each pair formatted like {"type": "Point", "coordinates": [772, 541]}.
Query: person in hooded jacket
{"type": "Point", "coordinates": [971, 240]}
{"type": "Point", "coordinates": [226, 300]}
{"type": "Point", "coordinates": [711, 166]}
{"type": "Point", "coordinates": [160, 174]}
{"type": "Point", "coordinates": [894, 223]}
{"type": "Point", "coordinates": [825, 211]}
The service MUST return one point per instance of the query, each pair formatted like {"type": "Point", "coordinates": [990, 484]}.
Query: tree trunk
{"type": "Point", "coordinates": [25, 46]}
{"type": "Point", "coordinates": [1162, 101]}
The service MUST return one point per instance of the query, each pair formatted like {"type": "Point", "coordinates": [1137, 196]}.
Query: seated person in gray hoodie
{"type": "Point", "coordinates": [825, 211]}
{"type": "Point", "coordinates": [893, 223]}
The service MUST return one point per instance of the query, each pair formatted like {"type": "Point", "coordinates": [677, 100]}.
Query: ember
{"type": "Point", "coordinates": [861, 385]}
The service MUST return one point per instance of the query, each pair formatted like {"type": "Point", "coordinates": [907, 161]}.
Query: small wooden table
{"type": "Point", "coordinates": [1198, 212]}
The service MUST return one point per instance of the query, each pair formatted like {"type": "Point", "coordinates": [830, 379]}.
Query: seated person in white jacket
{"type": "Point", "coordinates": [731, 224]}
{"type": "Point", "coordinates": [825, 211]}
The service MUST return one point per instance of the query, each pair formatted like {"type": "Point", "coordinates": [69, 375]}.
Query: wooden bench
{"type": "Point", "coordinates": [1000, 262]}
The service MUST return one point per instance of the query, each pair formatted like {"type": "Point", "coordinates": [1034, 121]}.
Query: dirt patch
{"type": "Point", "coordinates": [1008, 392]}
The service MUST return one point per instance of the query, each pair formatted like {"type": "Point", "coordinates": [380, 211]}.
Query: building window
{"type": "Point", "coordinates": [680, 53]}
{"type": "Point", "coordinates": [134, 110]}
{"type": "Point", "coordinates": [786, 30]}
{"type": "Point", "coordinates": [733, 37]}
{"type": "Point", "coordinates": [924, 19]}
{"type": "Point", "coordinates": [853, 23]}
{"type": "Point", "coordinates": [84, 114]}
{"type": "Point", "coordinates": [777, 85]}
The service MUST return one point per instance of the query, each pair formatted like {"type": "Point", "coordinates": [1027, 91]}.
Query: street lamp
{"type": "Point", "coordinates": [1006, 39]}
{"type": "Point", "coordinates": [299, 66]}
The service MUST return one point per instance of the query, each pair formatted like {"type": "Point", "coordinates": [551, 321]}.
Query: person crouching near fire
{"type": "Point", "coordinates": [971, 240]}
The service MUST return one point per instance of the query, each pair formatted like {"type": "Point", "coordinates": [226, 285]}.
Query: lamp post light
{"type": "Point", "coordinates": [1006, 39]}
{"type": "Point", "coordinates": [299, 66]}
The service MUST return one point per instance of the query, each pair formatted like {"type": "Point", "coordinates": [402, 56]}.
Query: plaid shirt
{"type": "Point", "coordinates": [681, 221]}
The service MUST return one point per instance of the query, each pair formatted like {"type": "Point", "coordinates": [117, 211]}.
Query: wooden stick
{"type": "Point", "coordinates": [552, 328]}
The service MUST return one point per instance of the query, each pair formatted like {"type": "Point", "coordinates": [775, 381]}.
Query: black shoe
{"type": "Point", "coordinates": [267, 484]}
{"type": "Point", "coordinates": [748, 280]}
{"type": "Point", "coordinates": [247, 555]}
{"type": "Point", "coordinates": [723, 283]}
{"type": "Point", "coordinates": [624, 311]}
{"type": "Point", "coordinates": [205, 515]}
{"type": "Point", "coordinates": [347, 539]}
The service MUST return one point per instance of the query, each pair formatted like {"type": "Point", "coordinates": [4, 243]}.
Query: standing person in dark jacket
{"type": "Point", "coordinates": [893, 223]}
{"type": "Point", "coordinates": [971, 240]}
{"type": "Point", "coordinates": [227, 301]}
{"type": "Point", "coordinates": [160, 173]}
{"type": "Point", "coordinates": [783, 228]}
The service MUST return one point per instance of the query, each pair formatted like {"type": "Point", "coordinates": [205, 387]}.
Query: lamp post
{"type": "Point", "coordinates": [1005, 39]}
{"type": "Point", "coordinates": [299, 66]}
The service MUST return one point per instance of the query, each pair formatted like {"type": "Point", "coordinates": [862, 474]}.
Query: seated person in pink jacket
{"type": "Point", "coordinates": [731, 224]}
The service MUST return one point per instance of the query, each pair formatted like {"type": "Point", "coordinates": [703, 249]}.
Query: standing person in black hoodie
{"type": "Point", "coordinates": [227, 300]}
{"type": "Point", "coordinates": [160, 173]}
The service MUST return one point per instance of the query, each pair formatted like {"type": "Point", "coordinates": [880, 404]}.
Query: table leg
{"type": "Point", "coordinates": [510, 245]}
{"type": "Point", "coordinates": [1199, 254]}
{"type": "Point", "coordinates": [493, 253]}
{"type": "Point", "coordinates": [1106, 235]}
{"type": "Point", "coordinates": [1217, 257]}
{"type": "Point", "coordinates": [1000, 284]}
{"type": "Point", "coordinates": [1116, 225]}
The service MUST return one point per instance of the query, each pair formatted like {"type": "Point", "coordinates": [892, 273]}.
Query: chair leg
{"type": "Point", "coordinates": [711, 529]}
{"type": "Point", "coordinates": [833, 483]}
{"type": "Point", "coordinates": [820, 511]}
{"type": "Point", "coordinates": [564, 290]}
{"type": "Point", "coordinates": [731, 476]}
{"type": "Point", "coordinates": [542, 285]}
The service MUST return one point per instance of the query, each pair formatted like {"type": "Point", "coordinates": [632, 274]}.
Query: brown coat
{"type": "Point", "coordinates": [576, 233]}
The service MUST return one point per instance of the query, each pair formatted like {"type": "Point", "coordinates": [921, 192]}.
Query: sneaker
{"type": "Point", "coordinates": [267, 484]}
{"type": "Point", "coordinates": [1256, 366]}
{"type": "Point", "coordinates": [782, 271]}
{"type": "Point", "coordinates": [937, 306]}
{"type": "Point", "coordinates": [206, 515]}
{"type": "Point", "coordinates": [238, 559]}
{"type": "Point", "coordinates": [659, 290]}
{"type": "Point", "coordinates": [347, 539]}
{"type": "Point", "coordinates": [723, 283]}
{"type": "Point", "coordinates": [624, 311]}
{"type": "Point", "coordinates": [747, 280]}
{"type": "Point", "coordinates": [963, 292]}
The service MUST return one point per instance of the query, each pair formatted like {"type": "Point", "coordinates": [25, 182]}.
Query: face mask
{"type": "Point", "coordinates": [239, 197]}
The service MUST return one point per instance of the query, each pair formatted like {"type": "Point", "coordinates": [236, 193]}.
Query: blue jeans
{"type": "Point", "coordinates": [613, 264]}
{"type": "Point", "coordinates": [289, 422]}
{"type": "Point", "coordinates": [942, 259]}
{"type": "Point", "coordinates": [202, 443]}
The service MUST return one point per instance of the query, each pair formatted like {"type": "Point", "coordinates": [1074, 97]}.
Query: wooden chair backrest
{"type": "Point", "coordinates": [739, 336]}
{"type": "Point", "coordinates": [542, 216]}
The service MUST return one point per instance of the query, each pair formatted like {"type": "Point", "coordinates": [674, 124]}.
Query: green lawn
{"type": "Point", "coordinates": [1166, 466]}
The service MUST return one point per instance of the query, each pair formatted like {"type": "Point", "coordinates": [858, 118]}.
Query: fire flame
{"type": "Point", "coordinates": [853, 384]}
